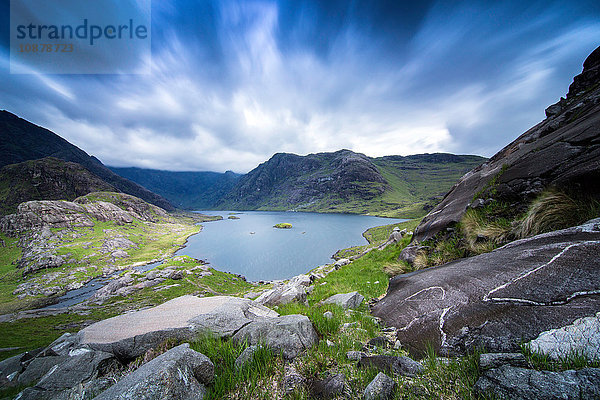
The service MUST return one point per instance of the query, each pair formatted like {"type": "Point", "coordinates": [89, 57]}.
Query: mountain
{"type": "Point", "coordinates": [187, 190]}
{"type": "Point", "coordinates": [345, 181]}
{"type": "Point", "coordinates": [45, 179]}
{"type": "Point", "coordinates": [562, 152]}
{"type": "Point", "coordinates": [21, 141]}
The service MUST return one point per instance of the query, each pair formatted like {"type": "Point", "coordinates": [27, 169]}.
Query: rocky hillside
{"type": "Point", "coordinates": [21, 141]}
{"type": "Point", "coordinates": [45, 179]}
{"type": "Point", "coordinates": [345, 181]}
{"type": "Point", "coordinates": [186, 190]}
{"type": "Point", "coordinates": [562, 151]}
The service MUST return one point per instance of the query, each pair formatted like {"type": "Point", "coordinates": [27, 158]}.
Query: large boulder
{"type": "Point", "coordinates": [497, 300]}
{"type": "Point", "coordinates": [562, 151]}
{"type": "Point", "coordinates": [178, 374]}
{"type": "Point", "coordinates": [512, 383]}
{"type": "Point", "coordinates": [131, 335]}
{"type": "Point", "coordinates": [288, 334]}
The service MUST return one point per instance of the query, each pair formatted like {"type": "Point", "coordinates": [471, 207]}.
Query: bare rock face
{"type": "Point", "coordinates": [563, 151]}
{"type": "Point", "coordinates": [513, 383]}
{"type": "Point", "coordinates": [497, 300]}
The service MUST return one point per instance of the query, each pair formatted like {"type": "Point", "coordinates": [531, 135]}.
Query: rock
{"type": "Point", "coordinates": [38, 367]}
{"type": "Point", "coordinates": [499, 299]}
{"type": "Point", "coordinates": [288, 334]}
{"type": "Point", "coordinates": [409, 253]}
{"type": "Point", "coordinates": [341, 263]}
{"type": "Point", "coordinates": [561, 151]}
{"type": "Point", "coordinates": [496, 360]}
{"type": "Point", "coordinates": [131, 335]}
{"type": "Point", "coordinates": [513, 383]}
{"type": "Point", "coordinates": [380, 388]}
{"type": "Point", "coordinates": [328, 314]}
{"type": "Point", "coordinates": [292, 290]}
{"type": "Point", "coordinates": [355, 355]}
{"type": "Point", "coordinates": [152, 275]}
{"type": "Point", "coordinates": [329, 343]}
{"type": "Point", "coordinates": [394, 364]}
{"type": "Point", "coordinates": [10, 367]}
{"type": "Point", "coordinates": [346, 300]}
{"type": "Point", "coordinates": [292, 380]}
{"type": "Point", "coordinates": [332, 386]}
{"type": "Point", "coordinates": [245, 357]}
{"type": "Point", "coordinates": [348, 325]}
{"type": "Point", "coordinates": [380, 342]}
{"type": "Point", "coordinates": [582, 337]}
{"type": "Point", "coordinates": [180, 373]}
{"type": "Point", "coordinates": [77, 369]}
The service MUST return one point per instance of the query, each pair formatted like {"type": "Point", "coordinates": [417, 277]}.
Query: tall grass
{"type": "Point", "coordinates": [554, 209]}
{"type": "Point", "coordinates": [223, 354]}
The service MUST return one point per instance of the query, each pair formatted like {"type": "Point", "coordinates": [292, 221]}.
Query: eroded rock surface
{"type": "Point", "coordinates": [498, 299]}
{"type": "Point", "coordinates": [511, 383]}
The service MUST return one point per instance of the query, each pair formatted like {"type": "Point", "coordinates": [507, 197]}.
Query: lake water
{"type": "Point", "coordinates": [250, 246]}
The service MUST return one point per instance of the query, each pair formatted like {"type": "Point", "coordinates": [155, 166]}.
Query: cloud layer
{"type": "Point", "coordinates": [233, 82]}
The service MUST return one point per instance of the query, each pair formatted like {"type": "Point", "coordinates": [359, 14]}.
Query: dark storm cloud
{"type": "Point", "coordinates": [235, 81]}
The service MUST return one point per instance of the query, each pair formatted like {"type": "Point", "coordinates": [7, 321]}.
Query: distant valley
{"type": "Point", "coordinates": [343, 181]}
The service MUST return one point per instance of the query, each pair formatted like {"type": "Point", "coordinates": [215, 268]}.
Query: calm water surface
{"type": "Point", "coordinates": [250, 246]}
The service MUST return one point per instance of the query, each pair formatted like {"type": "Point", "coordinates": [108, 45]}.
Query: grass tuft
{"type": "Point", "coordinates": [555, 209]}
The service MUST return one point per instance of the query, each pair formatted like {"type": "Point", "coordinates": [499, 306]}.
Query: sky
{"type": "Point", "coordinates": [233, 82]}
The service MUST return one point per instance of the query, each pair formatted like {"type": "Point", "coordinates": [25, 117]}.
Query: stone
{"type": "Point", "coordinates": [332, 386]}
{"type": "Point", "coordinates": [180, 373]}
{"type": "Point", "coordinates": [328, 314]}
{"type": "Point", "coordinates": [292, 379]}
{"type": "Point", "coordinates": [131, 335]}
{"type": "Point", "coordinates": [409, 253]}
{"type": "Point", "coordinates": [496, 360]}
{"type": "Point", "coordinates": [512, 383]}
{"type": "Point", "coordinates": [341, 263]}
{"type": "Point", "coordinates": [288, 334]}
{"type": "Point", "coordinates": [398, 365]}
{"type": "Point", "coordinates": [292, 290]}
{"type": "Point", "coordinates": [500, 299]}
{"type": "Point", "coordinates": [355, 355]}
{"type": "Point", "coordinates": [77, 369]}
{"type": "Point", "coordinates": [380, 388]}
{"type": "Point", "coordinates": [582, 337]}
{"type": "Point", "coordinates": [38, 367]}
{"type": "Point", "coordinates": [380, 342]}
{"type": "Point", "coordinates": [246, 356]}
{"type": "Point", "coordinates": [345, 300]}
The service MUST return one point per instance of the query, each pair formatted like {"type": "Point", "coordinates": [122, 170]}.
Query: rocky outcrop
{"type": "Point", "coordinates": [35, 222]}
{"type": "Point", "coordinates": [497, 300]}
{"type": "Point", "coordinates": [562, 151]}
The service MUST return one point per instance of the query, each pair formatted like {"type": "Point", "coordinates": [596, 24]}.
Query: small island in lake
{"type": "Point", "coordinates": [283, 225]}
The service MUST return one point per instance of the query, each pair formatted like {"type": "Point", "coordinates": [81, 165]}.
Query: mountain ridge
{"type": "Point", "coordinates": [21, 140]}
